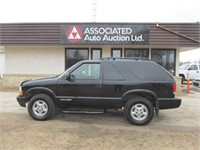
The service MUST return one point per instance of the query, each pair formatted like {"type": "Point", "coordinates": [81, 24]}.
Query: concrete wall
{"type": "Point", "coordinates": [2, 61]}
{"type": "Point", "coordinates": [106, 51]}
{"type": "Point", "coordinates": [17, 79]}
{"type": "Point", "coordinates": [34, 60]}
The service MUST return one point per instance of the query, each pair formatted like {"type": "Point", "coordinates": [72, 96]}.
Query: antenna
{"type": "Point", "coordinates": [94, 4]}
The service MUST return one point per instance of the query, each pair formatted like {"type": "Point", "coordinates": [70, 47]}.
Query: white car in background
{"type": "Point", "coordinates": [191, 70]}
{"type": "Point", "coordinates": [196, 82]}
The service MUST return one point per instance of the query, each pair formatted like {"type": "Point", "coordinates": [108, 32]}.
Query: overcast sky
{"type": "Point", "coordinates": [21, 11]}
{"type": "Point", "coordinates": [106, 11]}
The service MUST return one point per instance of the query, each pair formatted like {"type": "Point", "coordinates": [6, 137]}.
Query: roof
{"type": "Point", "coordinates": [49, 34]}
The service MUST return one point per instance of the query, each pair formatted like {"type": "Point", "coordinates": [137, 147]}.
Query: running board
{"type": "Point", "coordinates": [84, 111]}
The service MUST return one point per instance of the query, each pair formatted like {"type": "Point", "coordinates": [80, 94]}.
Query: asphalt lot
{"type": "Point", "coordinates": [173, 129]}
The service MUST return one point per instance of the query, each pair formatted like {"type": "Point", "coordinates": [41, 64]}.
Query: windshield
{"type": "Point", "coordinates": [59, 75]}
{"type": "Point", "coordinates": [184, 67]}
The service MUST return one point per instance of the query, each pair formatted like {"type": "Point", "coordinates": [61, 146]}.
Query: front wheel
{"type": "Point", "coordinates": [41, 107]}
{"type": "Point", "coordinates": [139, 111]}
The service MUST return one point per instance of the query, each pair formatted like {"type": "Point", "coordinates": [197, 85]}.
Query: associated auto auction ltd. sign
{"type": "Point", "coordinates": [105, 34]}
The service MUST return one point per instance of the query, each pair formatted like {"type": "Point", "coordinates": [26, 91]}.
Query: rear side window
{"type": "Point", "coordinates": [146, 71]}
{"type": "Point", "coordinates": [111, 73]}
{"type": "Point", "coordinates": [151, 72]}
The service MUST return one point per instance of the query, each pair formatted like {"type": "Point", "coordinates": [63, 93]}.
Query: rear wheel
{"type": "Point", "coordinates": [139, 111]}
{"type": "Point", "coordinates": [41, 107]}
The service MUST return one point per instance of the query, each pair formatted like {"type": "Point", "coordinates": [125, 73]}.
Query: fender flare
{"type": "Point", "coordinates": [144, 91]}
{"type": "Point", "coordinates": [37, 90]}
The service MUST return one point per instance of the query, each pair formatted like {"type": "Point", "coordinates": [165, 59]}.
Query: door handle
{"type": "Point", "coordinates": [98, 85]}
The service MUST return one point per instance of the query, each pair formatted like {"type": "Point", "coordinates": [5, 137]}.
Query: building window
{"type": "Point", "coordinates": [143, 53]}
{"type": "Point", "coordinates": [74, 55]}
{"type": "Point", "coordinates": [165, 58]}
{"type": "Point", "coordinates": [116, 52]}
{"type": "Point", "coordinates": [96, 53]}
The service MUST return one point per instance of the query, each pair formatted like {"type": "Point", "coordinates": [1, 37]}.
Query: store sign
{"type": "Point", "coordinates": [105, 34]}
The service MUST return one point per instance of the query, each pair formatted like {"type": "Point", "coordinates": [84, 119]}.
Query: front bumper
{"type": "Point", "coordinates": [169, 103]}
{"type": "Point", "coordinates": [22, 101]}
{"type": "Point", "coordinates": [196, 83]}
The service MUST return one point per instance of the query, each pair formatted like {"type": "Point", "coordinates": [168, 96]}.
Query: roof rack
{"type": "Point", "coordinates": [129, 58]}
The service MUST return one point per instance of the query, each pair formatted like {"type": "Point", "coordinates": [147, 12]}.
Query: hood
{"type": "Point", "coordinates": [197, 78]}
{"type": "Point", "coordinates": [40, 82]}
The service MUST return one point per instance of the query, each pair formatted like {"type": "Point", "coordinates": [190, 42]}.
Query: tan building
{"type": "Point", "coordinates": [43, 49]}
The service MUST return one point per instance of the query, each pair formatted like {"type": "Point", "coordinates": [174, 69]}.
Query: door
{"type": "Point", "coordinates": [113, 85]}
{"type": "Point", "coordinates": [83, 86]}
{"type": "Point", "coordinates": [165, 58]}
{"type": "Point", "coordinates": [193, 71]}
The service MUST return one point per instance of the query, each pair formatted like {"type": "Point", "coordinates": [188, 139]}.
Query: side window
{"type": "Point", "coordinates": [87, 71]}
{"type": "Point", "coordinates": [111, 73]}
{"type": "Point", "coordinates": [193, 67]}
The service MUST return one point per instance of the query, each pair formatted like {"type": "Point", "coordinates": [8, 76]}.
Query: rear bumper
{"type": "Point", "coordinates": [169, 103]}
{"type": "Point", "coordinates": [22, 101]}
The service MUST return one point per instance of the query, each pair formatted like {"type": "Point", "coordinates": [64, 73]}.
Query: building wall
{"type": "Point", "coordinates": [2, 61]}
{"type": "Point", "coordinates": [49, 60]}
{"type": "Point", "coordinates": [34, 60]}
{"type": "Point", "coordinates": [106, 51]}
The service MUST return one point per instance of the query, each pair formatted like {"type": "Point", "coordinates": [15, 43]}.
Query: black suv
{"type": "Point", "coordinates": [140, 87]}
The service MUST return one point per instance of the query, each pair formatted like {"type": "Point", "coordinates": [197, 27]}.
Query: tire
{"type": "Point", "coordinates": [41, 107]}
{"type": "Point", "coordinates": [139, 111]}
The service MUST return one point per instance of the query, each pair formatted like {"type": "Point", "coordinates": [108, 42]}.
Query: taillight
{"type": "Point", "coordinates": [174, 87]}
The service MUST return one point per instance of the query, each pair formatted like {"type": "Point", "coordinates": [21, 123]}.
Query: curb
{"type": "Point", "coordinates": [192, 88]}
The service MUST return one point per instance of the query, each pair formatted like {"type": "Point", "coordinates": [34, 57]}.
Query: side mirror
{"type": "Point", "coordinates": [70, 77]}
